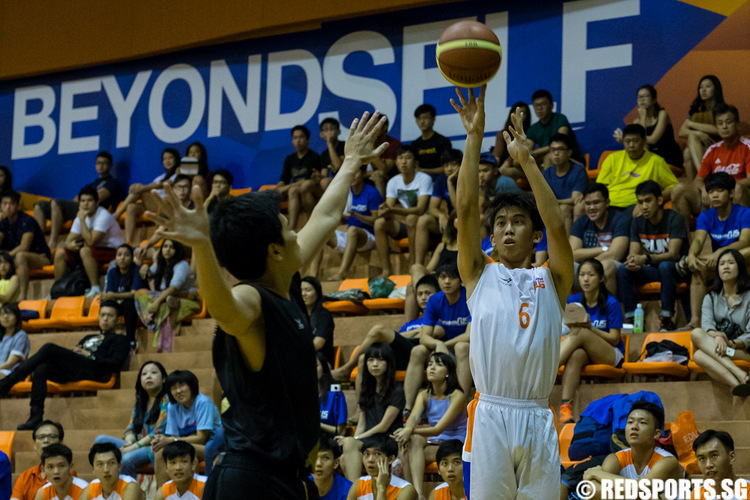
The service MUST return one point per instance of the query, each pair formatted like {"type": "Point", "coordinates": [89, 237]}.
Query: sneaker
{"type": "Point", "coordinates": [566, 414]}
{"type": "Point", "coordinates": [667, 325]}
{"type": "Point", "coordinates": [93, 292]}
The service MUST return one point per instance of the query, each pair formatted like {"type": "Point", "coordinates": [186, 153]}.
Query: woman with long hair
{"type": "Point", "coordinates": [14, 343]}
{"type": "Point", "coordinates": [204, 176]}
{"type": "Point", "coordinates": [699, 129]}
{"type": "Point", "coordinates": [724, 334]}
{"type": "Point", "coordinates": [149, 418]}
{"type": "Point", "coordinates": [321, 318]}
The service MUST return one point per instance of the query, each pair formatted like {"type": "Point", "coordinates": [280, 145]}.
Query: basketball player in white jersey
{"type": "Point", "coordinates": [517, 313]}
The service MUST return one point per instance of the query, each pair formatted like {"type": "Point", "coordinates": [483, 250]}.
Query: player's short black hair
{"type": "Point", "coordinates": [523, 200]}
{"type": "Point", "coordinates": [177, 449]}
{"type": "Point", "coordinates": [330, 121]}
{"type": "Point", "coordinates": [541, 93]}
{"type": "Point", "coordinates": [113, 304]}
{"type": "Point", "coordinates": [594, 187]}
{"type": "Point", "coordinates": [381, 442]}
{"type": "Point", "coordinates": [226, 174]}
{"type": "Point", "coordinates": [425, 108]}
{"type": "Point", "coordinates": [449, 269]}
{"type": "Point", "coordinates": [242, 228]}
{"type": "Point", "coordinates": [104, 448]}
{"type": "Point", "coordinates": [56, 425]}
{"type": "Point", "coordinates": [106, 155]}
{"type": "Point", "coordinates": [329, 444]}
{"type": "Point", "coordinates": [428, 279]}
{"type": "Point", "coordinates": [90, 191]}
{"type": "Point", "coordinates": [182, 177]}
{"type": "Point", "coordinates": [182, 377]}
{"type": "Point", "coordinates": [451, 156]}
{"type": "Point", "coordinates": [303, 129]}
{"type": "Point", "coordinates": [57, 450]}
{"type": "Point", "coordinates": [720, 180]}
{"type": "Point", "coordinates": [724, 108]}
{"type": "Point", "coordinates": [14, 196]}
{"type": "Point", "coordinates": [648, 187]}
{"type": "Point", "coordinates": [448, 448]}
{"type": "Point", "coordinates": [634, 129]}
{"type": "Point", "coordinates": [724, 438]}
{"type": "Point", "coordinates": [406, 148]}
{"type": "Point", "coordinates": [655, 410]}
{"type": "Point", "coordinates": [558, 137]}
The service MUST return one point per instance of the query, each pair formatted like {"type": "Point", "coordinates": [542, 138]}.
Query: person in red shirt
{"type": "Point", "coordinates": [730, 155]}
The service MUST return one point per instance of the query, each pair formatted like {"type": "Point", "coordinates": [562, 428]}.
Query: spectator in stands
{"type": "Point", "coordinates": [549, 124]}
{"type": "Point", "coordinates": [170, 160]}
{"type": "Point", "coordinates": [379, 454]}
{"type": "Point", "coordinates": [382, 167]}
{"type": "Point", "coordinates": [57, 462]}
{"type": "Point", "coordinates": [149, 418]}
{"type": "Point", "coordinates": [333, 156]}
{"type": "Point", "coordinates": [567, 179]}
{"type": "Point", "coordinates": [508, 166]}
{"type": "Point", "coordinates": [725, 324]}
{"type": "Point", "coordinates": [333, 410]}
{"type": "Point", "coordinates": [330, 484]}
{"type": "Point", "coordinates": [451, 469]}
{"type": "Point", "coordinates": [492, 182]}
{"type": "Point", "coordinates": [643, 461]}
{"type": "Point", "coordinates": [714, 452]}
{"type": "Point", "coordinates": [181, 462]}
{"type": "Point", "coordinates": [8, 279]}
{"type": "Point", "coordinates": [122, 281]}
{"type": "Point", "coordinates": [221, 185]}
{"type": "Point", "coordinates": [407, 197]}
{"type": "Point", "coordinates": [362, 206]}
{"type": "Point", "coordinates": [14, 345]}
{"type": "Point", "coordinates": [321, 319]}
{"type": "Point", "coordinates": [658, 240]}
{"type": "Point", "coordinates": [730, 155]}
{"type": "Point", "coordinates": [429, 147]}
{"type": "Point", "coordinates": [622, 171]}
{"type": "Point", "coordinates": [6, 179]}
{"type": "Point", "coordinates": [191, 417]}
{"type": "Point", "coordinates": [30, 480]}
{"type": "Point", "coordinates": [446, 253]}
{"type": "Point", "coordinates": [444, 402]}
{"type": "Point", "coordinates": [22, 238]}
{"type": "Point", "coordinates": [105, 459]}
{"type": "Point", "coordinates": [435, 220]}
{"type": "Point", "coordinates": [598, 341]}
{"type": "Point", "coordinates": [401, 342]}
{"type": "Point", "coordinates": [300, 175]}
{"type": "Point", "coordinates": [59, 211]}
{"type": "Point", "coordinates": [93, 238]}
{"type": "Point", "coordinates": [600, 234]}
{"type": "Point", "coordinates": [659, 130]}
{"type": "Point", "coordinates": [380, 405]}
{"type": "Point", "coordinates": [699, 129]}
{"type": "Point", "coordinates": [170, 301]}
{"type": "Point", "coordinates": [92, 358]}
{"type": "Point", "coordinates": [203, 178]}
{"type": "Point", "coordinates": [727, 225]}
{"type": "Point", "coordinates": [448, 309]}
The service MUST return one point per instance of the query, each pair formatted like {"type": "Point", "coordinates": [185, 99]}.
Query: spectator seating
{"type": "Point", "coordinates": [240, 191]}
{"type": "Point", "coordinates": [608, 372]}
{"type": "Point", "coordinates": [64, 309]}
{"type": "Point", "coordinates": [90, 320]}
{"type": "Point", "coordinates": [39, 306]}
{"type": "Point", "coordinates": [6, 443]}
{"type": "Point", "coordinates": [401, 280]}
{"type": "Point", "coordinates": [347, 306]}
{"type": "Point", "coordinates": [667, 368]}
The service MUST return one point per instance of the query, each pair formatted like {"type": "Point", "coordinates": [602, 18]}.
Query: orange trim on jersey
{"type": "Point", "coordinates": [170, 488]}
{"type": "Point", "coordinates": [96, 489]}
{"type": "Point", "coordinates": [470, 410]}
{"type": "Point", "coordinates": [49, 492]}
{"type": "Point", "coordinates": [625, 457]}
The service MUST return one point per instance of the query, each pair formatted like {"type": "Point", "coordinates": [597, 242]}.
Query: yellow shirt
{"type": "Point", "coordinates": [621, 175]}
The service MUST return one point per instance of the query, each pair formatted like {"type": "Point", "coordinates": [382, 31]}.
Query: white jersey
{"type": "Point", "coordinates": [515, 332]}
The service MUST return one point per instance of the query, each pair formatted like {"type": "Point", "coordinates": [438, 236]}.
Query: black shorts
{"type": "Point", "coordinates": [69, 208]}
{"type": "Point", "coordinates": [402, 347]}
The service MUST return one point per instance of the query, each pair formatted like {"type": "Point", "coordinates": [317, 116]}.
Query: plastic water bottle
{"type": "Point", "coordinates": [638, 319]}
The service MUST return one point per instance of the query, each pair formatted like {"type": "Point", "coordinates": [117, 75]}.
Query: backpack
{"type": "Point", "coordinates": [590, 438]}
{"type": "Point", "coordinates": [72, 284]}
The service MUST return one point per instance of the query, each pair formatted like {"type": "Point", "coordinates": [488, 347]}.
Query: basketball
{"type": "Point", "coordinates": [468, 54]}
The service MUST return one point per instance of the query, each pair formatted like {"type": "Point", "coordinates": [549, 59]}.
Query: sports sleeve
{"type": "Point", "coordinates": [614, 313]}
{"type": "Point", "coordinates": [432, 311]}
{"type": "Point", "coordinates": [204, 413]}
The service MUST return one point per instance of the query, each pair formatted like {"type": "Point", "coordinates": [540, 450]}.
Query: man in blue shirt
{"type": "Point", "coordinates": [727, 224]}
{"type": "Point", "coordinates": [331, 486]}
{"type": "Point", "coordinates": [566, 178]}
{"type": "Point", "coordinates": [447, 309]}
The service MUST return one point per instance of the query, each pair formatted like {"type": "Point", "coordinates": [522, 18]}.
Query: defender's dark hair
{"type": "Point", "coordinates": [226, 174]}
{"type": "Point", "coordinates": [8, 258]}
{"type": "Point", "coordinates": [451, 156]}
{"type": "Point", "coordinates": [451, 383]}
{"type": "Point", "coordinates": [142, 414]}
{"type": "Point", "coordinates": [542, 93]}
{"type": "Point", "coordinates": [106, 155]}
{"type": "Point", "coordinates": [596, 187]}
{"type": "Point", "coordinates": [634, 129]}
{"type": "Point", "coordinates": [724, 108]}
{"type": "Point", "coordinates": [12, 308]}
{"type": "Point", "coordinates": [176, 449]}
{"type": "Point", "coordinates": [428, 279]}
{"type": "Point", "coordinates": [56, 425]}
{"type": "Point", "coordinates": [648, 187]}
{"type": "Point", "coordinates": [523, 200]}
{"type": "Point", "coordinates": [330, 121]}
{"type": "Point", "coordinates": [723, 437]}
{"type": "Point", "coordinates": [112, 304]}
{"type": "Point", "coordinates": [369, 396]}
{"type": "Point", "coordinates": [601, 299]}
{"type": "Point", "coordinates": [558, 137]}
{"type": "Point", "coordinates": [303, 129]}
{"type": "Point", "coordinates": [90, 191]}
{"type": "Point", "coordinates": [57, 450]}
{"type": "Point", "coordinates": [425, 108]}
{"type": "Point", "coordinates": [406, 148]}
{"type": "Point", "coordinates": [165, 267]}
{"type": "Point", "coordinates": [14, 196]}
{"type": "Point", "coordinates": [449, 269]}
{"type": "Point", "coordinates": [652, 408]}
{"type": "Point", "coordinates": [381, 442]}
{"type": "Point", "coordinates": [743, 279]}
{"type": "Point", "coordinates": [699, 104]}
{"type": "Point", "coordinates": [329, 444]}
{"type": "Point", "coordinates": [720, 180]}
{"type": "Point", "coordinates": [104, 448]}
{"type": "Point", "coordinates": [182, 377]}
{"type": "Point", "coordinates": [180, 178]}
{"type": "Point", "coordinates": [448, 448]}
{"type": "Point", "coordinates": [242, 228]}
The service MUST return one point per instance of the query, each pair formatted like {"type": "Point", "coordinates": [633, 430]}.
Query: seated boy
{"type": "Point", "coordinates": [184, 483]}
{"type": "Point", "coordinates": [106, 459]}
{"type": "Point", "coordinates": [57, 463]}
{"type": "Point", "coordinates": [714, 451]}
{"type": "Point", "coordinates": [378, 454]}
{"type": "Point", "coordinates": [643, 460]}
{"type": "Point", "coordinates": [451, 469]}
{"type": "Point", "coordinates": [406, 198]}
{"type": "Point", "coordinates": [331, 485]}
{"type": "Point", "coordinates": [93, 238]}
{"type": "Point", "coordinates": [447, 309]}
{"type": "Point", "coordinates": [221, 185]}
{"type": "Point", "coordinates": [333, 156]}
{"type": "Point", "coordinates": [441, 203]}
{"type": "Point", "coordinates": [33, 478]}
{"type": "Point", "coordinates": [566, 178]}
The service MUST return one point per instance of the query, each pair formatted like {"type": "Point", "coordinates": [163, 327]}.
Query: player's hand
{"type": "Point", "coordinates": [471, 111]}
{"type": "Point", "coordinates": [384, 477]}
{"type": "Point", "coordinates": [362, 135]}
{"type": "Point", "coordinates": [176, 222]}
{"type": "Point", "coordinates": [516, 140]}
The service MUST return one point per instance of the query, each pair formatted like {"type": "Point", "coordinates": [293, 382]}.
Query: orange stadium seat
{"type": "Point", "coordinates": [40, 306]}
{"type": "Point", "coordinates": [238, 192]}
{"type": "Point", "coordinates": [667, 368]}
{"type": "Point", "coordinates": [6, 443]}
{"type": "Point", "coordinates": [107, 382]}
{"type": "Point", "coordinates": [401, 280]}
{"type": "Point", "coordinates": [654, 288]}
{"type": "Point", "coordinates": [696, 369]}
{"type": "Point", "coordinates": [64, 309]}
{"type": "Point", "coordinates": [347, 306]}
{"type": "Point", "coordinates": [91, 320]}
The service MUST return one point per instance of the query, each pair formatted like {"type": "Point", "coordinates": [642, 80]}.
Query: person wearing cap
{"type": "Point", "coordinates": [566, 178]}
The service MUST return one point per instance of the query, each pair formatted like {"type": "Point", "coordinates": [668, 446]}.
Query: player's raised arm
{"type": "Point", "coordinates": [471, 259]}
{"type": "Point", "coordinates": [359, 150]}
{"type": "Point", "coordinates": [560, 253]}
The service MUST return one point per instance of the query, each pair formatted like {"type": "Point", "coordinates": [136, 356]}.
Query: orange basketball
{"type": "Point", "coordinates": [468, 54]}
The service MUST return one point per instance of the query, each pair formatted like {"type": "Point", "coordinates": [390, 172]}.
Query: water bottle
{"type": "Point", "coordinates": [638, 319]}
